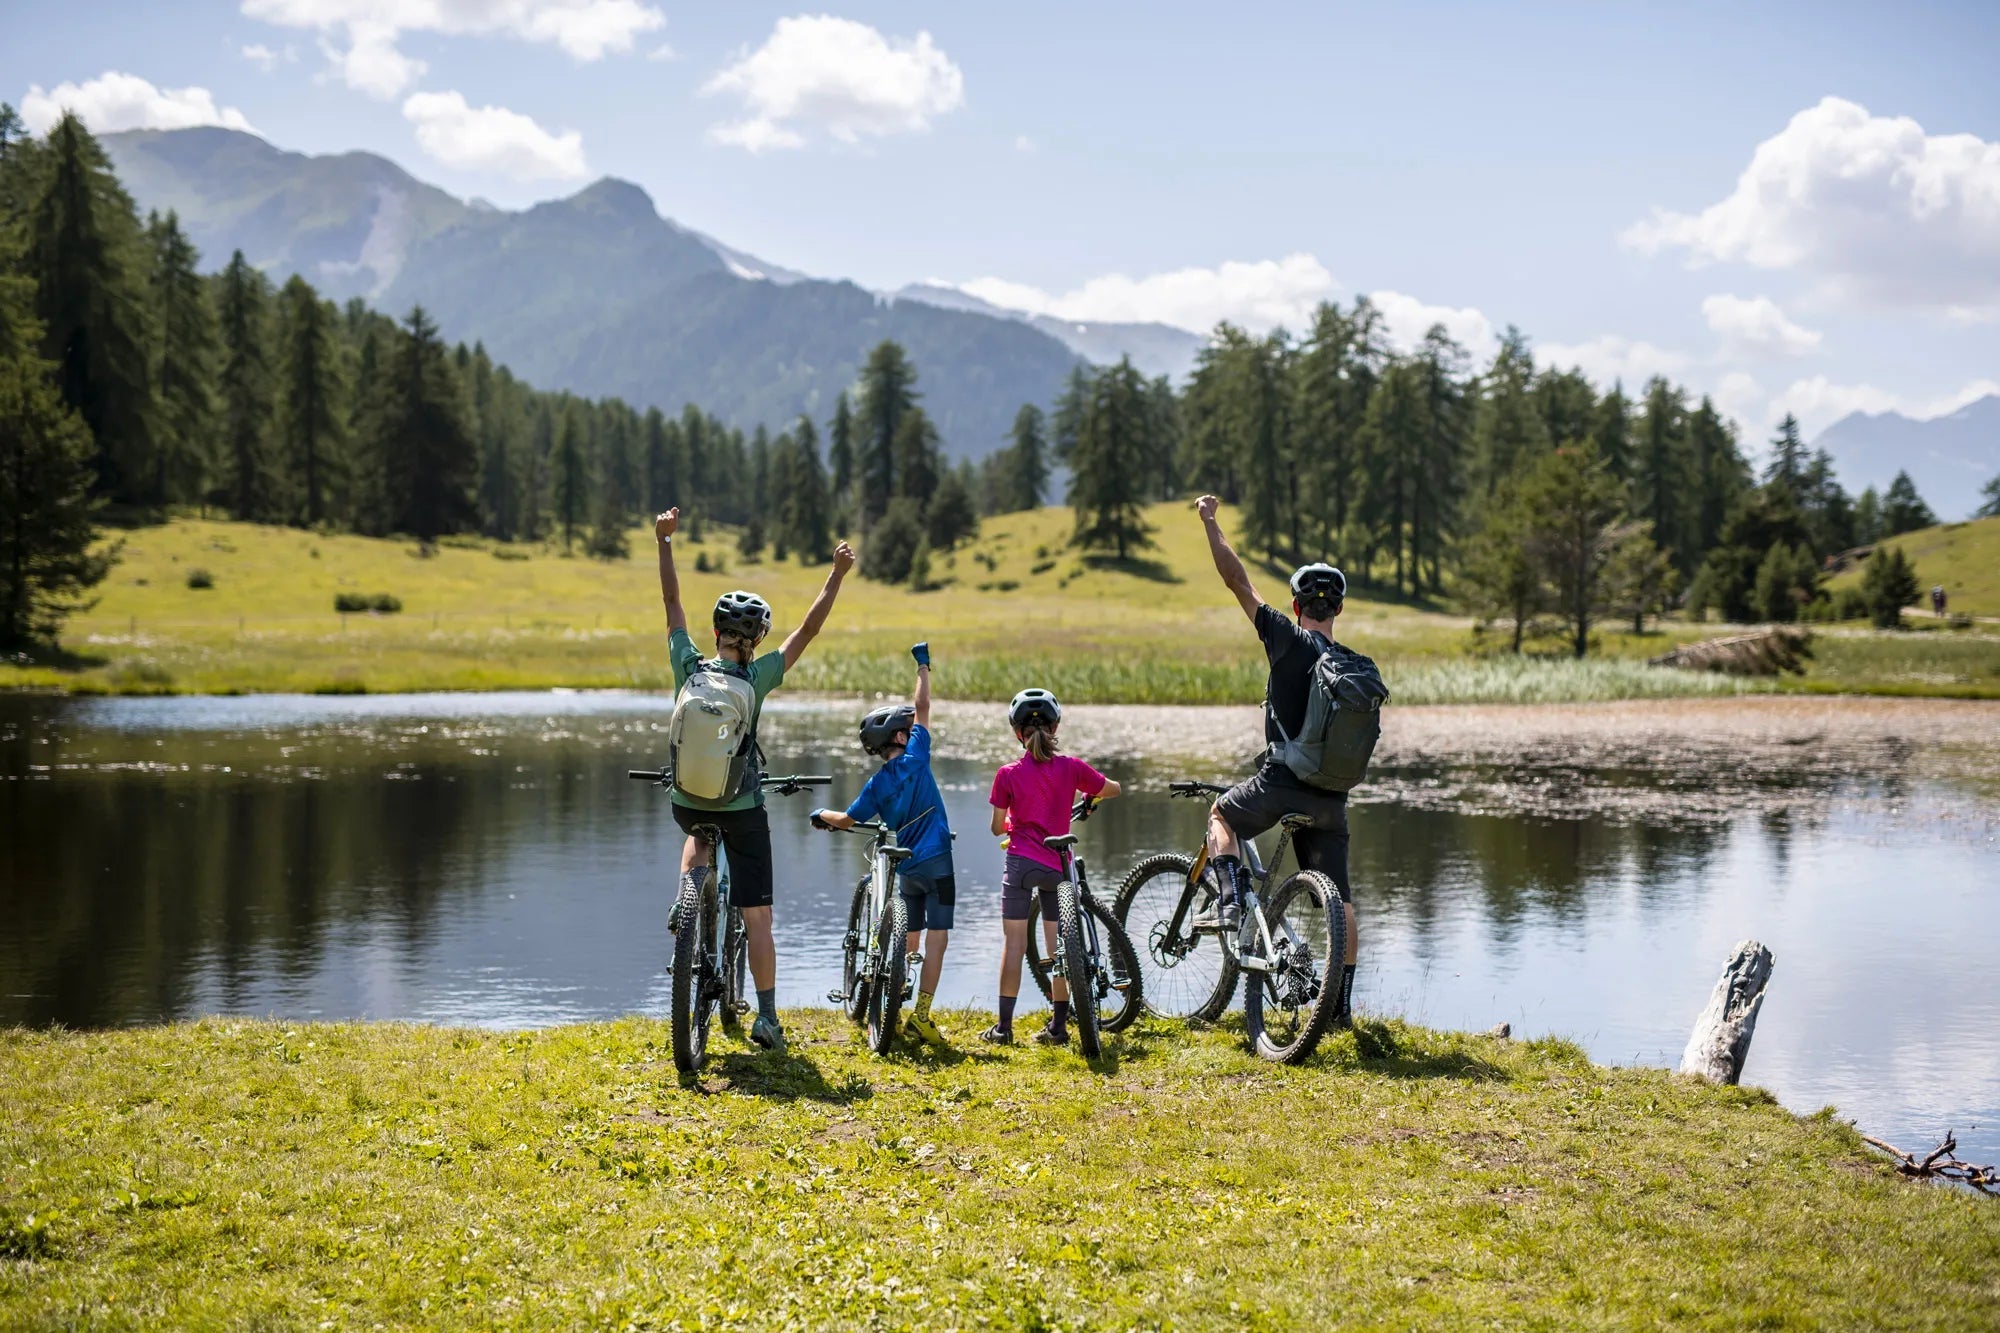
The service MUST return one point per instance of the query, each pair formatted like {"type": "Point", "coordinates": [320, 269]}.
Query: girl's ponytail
{"type": "Point", "coordinates": [1041, 744]}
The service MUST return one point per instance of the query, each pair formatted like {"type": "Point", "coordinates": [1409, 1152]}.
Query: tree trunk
{"type": "Point", "coordinates": [1721, 1039]}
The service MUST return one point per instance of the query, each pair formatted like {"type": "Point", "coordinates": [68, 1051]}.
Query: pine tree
{"type": "Point", "coordinates": [888, 395]}
{"type": "Point", "coordinates": [312, 424]}
{"type": "Point", "coordinates": [184, 353]}
{"type": "Point", "coordinates": [569, 475]}
{"type": "Point", "coordinates": [1024, 482]}
{"type": "Point", "coordinates": [663, 461]}
{"type": "Point", "coordinates": [1108, 464]}
{"type": "Point", "coordinates": [85, 251]}
{"type": "Point", "coordinates": [891, 545]}
{"type": "Point", "coordinates": [432, 458]}
{"type": "Point", "coordinates": [1661, 476]}
{"type": "Point", "coordinates": [1868, 518]}
{"type": "Point", "coordinates": [1440, 473]}
{"type": "Point", "coordinates": [1989, 496]}
{"type": "Point", "coordinates": [1829, 514]}
{"type": "Point", "coordinates": [1903, 510]}
{"type": "Point", "coordinates": [917, 452]}
{"type": "Point", "coordinates": [1498, 579]}
{"type": "Point", "coordinates": [1507, 430]}
{"type": "Point", "coordinates": [840, 456]}
{"type": "Point", "coordinates": [1788, 457]}
{"type": "Point", "coordinates": [1611, 428]}
{"type": "Point", "coordinates": [47, 516]}
{"type": "Point", "coordinates": [1888, 584]}
{"type": "Point", "coordinates": [1066, 421]}
{"type": "Point", "coordinates": [1163, 427]}
{"type": "Point", "coordinates": [750, 542]}
{"type": "Point", "coordinates": [1721, 477]}
{"type": "Point", "coordinates": [1333, 377]}
{"type": "Point", "coordinates": [539, 472]}
{"type": "Point", "coordinates": [808, 518]}
{"type": "Point", "coordinates": [951, 516]}
{"type": "Point", "coordinates": [1575, 529]}
{"type": "Point", "coordinates": [252, 485]}
{"type": "Point", "coordinates": [1567, 406]}
{"type": "Point", "coordinates": [1392, 435]}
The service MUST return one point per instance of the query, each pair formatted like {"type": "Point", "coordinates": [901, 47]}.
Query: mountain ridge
{"type": "Point", "coordinates": [596, 292]}
{"type": "Point", "coordinates": [1949, 457]}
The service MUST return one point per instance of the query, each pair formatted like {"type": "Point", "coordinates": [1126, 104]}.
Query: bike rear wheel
{"type": "Point", "coordinates": [885, 1001]}
{"type": "Point", "coordinates": [696, 916]}
{"type": "Point", "coordinates": [1286, 1010]}
{"type": "Point", "coordinates": [1078, 969]}
{"type": "Point", "coordinates": [1188, 974]}
{"type": "Point", "coordinates": [854, 952]}
{"type": "Point", "coordinates": [1117, 1009]}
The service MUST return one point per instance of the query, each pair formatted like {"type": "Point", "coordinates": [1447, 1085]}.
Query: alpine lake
{"type": "Point", "coordinates": [482, 859]}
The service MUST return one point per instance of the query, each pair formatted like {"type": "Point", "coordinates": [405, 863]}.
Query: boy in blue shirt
{"type": "Point", "coordinates": [904, 795]}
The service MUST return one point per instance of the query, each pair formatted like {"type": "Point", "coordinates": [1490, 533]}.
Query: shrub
{"type": "Point", "coordinates": [893, 541]}
{"type": "Point", "coordinates": [386, 603]}
{"type": "Point", "coordinates": [200, 578]}
{"type": "Point", "coordinates": [1890, 584]}
{"type": "Point", "coordinates": [508, 553]}
{"type": "Point", "coordinates": [704, 565]}
{"type": "Point", "coordinates": [1042, 567]}
{"type": "Point", "coordinates": [356, 603]}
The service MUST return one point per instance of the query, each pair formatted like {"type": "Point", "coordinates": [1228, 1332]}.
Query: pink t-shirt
{"type": "Point", "coordinates": [1037, 798]}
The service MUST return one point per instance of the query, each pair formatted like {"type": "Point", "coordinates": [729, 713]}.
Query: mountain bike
{"type": "Point", "coordinates": [1290, 949]}
{"type": "Point", "coordinates": [1094, 956]}
{"type": "Point", "coordinates": [875, 961]}
{"type": "Point", "coordinates": [711, 951]}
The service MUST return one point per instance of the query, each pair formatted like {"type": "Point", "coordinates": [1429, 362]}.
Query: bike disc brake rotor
{"type": "Point", "coordinates": [1167, 952]}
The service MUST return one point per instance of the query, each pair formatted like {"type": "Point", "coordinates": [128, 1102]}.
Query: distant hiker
{"type": "Point", "coordinates": [717, 767]}
{"type": "Point", "coordinates": [904, 795]}
{"type": "Point", "coordinates": [1937, 600]}
{"type": "Point", "coordinates": [1031, 802]}
{"type": "Point", "coordinates": [1330, 762]}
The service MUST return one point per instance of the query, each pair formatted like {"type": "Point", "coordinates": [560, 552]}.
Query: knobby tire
{"type": "Point", "coordinates": [690, 1008]}
{"type": "Point", "coordinates": [885, 1005]}
{"type": "Point", "coordinates": [1197, 984]}
{"type": "Point", "coordinates": [1077, 970]}
{"type": "Point", "coordinates": [1310, 904]}
{"type": "Point", "coordinates": [853, 982]}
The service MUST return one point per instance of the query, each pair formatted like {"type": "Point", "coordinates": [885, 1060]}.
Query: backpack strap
{"type": "Point", "coordinates": [1326, 646]}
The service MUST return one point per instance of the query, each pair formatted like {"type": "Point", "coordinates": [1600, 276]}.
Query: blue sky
{"type": "Point", "coordinates": [1569, 168]}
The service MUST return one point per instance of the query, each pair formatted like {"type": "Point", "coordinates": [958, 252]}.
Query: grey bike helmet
{"type": "Point", "coordinates": [1319, 589]}
{"type": "Point", "coordinates": [1032, 707]}
{"type": "Point", "coordinates": [880, 728]}
{"type": "Point", "coordinates": [743, 614]}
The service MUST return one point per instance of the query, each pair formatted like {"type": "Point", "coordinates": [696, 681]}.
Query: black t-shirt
{"type": "Point", "coordinates": [1293, 652]}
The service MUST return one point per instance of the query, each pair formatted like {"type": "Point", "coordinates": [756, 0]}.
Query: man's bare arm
{"type": "Point", "coordinates": [670, 582]}
{"type": "Point", "coordinates": [801, 638]}
{"type": "Point", "coordinates": [1234, 576]}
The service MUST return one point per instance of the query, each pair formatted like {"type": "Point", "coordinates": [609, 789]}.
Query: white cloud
{"type": "Point", "coordinates": [838, 76]}
{"type": "Point", "coordinates": [1406, 320]}
{"type": "Point", "coordinates": [492, 138]}
{"type": "Point", "coordinates": [1023, 144]}
{"type": "Point", "coordinates": [664, 51]}
{"type": "Point", "coordinates": [1878, 212]}
{"type": "Point", "coordinates": [1612, 357]}
{"type": "Point", "coordinates": [1819, 402]}
{"type": "Point", "coordinates": [1258, 296]}
{"type": "Point", "coordinates": [1754, 326]}
{"type": "Point", "coordinates": [264, 58]}
{"type": "Point", "coordinates": [113, 101]}
{"type": "Point", "coordinates": [360, 37]}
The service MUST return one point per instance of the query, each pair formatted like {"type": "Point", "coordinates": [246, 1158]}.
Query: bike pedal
{"type": "Point", "coordinates": [836, 997]}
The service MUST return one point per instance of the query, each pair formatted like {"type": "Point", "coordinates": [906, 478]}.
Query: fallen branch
{"type": "Point", "coordinates": [1765, 652]}
{"type": "Point", "coordinates": [1942, 1164]}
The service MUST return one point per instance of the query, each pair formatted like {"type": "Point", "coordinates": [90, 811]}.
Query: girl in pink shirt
{"type": "Point", "coordinates": [1031, 802]}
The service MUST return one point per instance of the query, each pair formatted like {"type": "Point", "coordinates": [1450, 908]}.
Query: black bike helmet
{"type": "Point", "coordinates": [1319, 589]}
{"type": "Point", "coordinates": [743, 614]}
{"type": "Point", "coordinates": [880, 728]}
{"type": "Point", "coordinates": [1033, 708]}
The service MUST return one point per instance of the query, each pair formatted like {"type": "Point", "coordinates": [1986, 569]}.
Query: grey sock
{"type": "Point", "coordinates": [767, 1004]}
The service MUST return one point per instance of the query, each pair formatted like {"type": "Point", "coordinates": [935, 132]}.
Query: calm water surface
{"type": "Point", "coordinates": [482, 859]}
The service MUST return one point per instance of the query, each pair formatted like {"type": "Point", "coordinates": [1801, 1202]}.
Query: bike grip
{"type": "Point", "coordinates": [646, 774]}
{"type": "Point", "coordinates": [818, 820]}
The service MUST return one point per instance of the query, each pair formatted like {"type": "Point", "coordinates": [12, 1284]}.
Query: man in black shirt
{"type": "Point", "coordinates": [1274, 791]}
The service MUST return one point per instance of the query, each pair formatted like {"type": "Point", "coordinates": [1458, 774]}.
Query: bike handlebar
{"type": "Point", "coordinates": [790, 786]}
{"type": "Point", "coordinates": [646, 774]}
{"type": "Point", "coordinates": [1083, 809]}
{"type": "Point", "coordinates": [1196, 789]}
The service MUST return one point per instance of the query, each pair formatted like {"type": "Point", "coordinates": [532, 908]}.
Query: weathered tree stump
{"type": "Point", "coordinates": [1721, 1040]}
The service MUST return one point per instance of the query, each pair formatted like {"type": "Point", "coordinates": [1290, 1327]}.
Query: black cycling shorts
{"type": "Point", "coordinates": [1257, 803]}
{"type": "Point", "coordinates": [1019, 880]}
{"type": "Point", "coordinates": [746, 838]}
{"type": "Point", "coordinates": [929, 890]}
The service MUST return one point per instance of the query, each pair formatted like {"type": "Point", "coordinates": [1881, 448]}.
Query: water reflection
{"type": "Point", "coordinates": [482, 859]}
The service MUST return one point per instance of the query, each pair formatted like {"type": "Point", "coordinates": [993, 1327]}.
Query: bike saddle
{"type": "Point", "coordinates": [1061, 842]}
{"type": "Point", "coordinates": [1296, 821]}
{"type": "Point", "coordinates": [897, 853]}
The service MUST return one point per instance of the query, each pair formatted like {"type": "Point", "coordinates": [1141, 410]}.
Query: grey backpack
{"type": "Point", "coordinates": [1343, 721]}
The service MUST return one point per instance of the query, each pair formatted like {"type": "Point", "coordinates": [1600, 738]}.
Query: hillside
{"type": "Point", "coordinates": [597, 293]}
{"type": "Point", "coordinates": [1949, 458]}
{"type": "Point", "coordinates": [1963, 557]}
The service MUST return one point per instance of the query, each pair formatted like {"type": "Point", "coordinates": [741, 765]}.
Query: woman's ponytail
{"type": "Point", "coordinates": [1041, 743]}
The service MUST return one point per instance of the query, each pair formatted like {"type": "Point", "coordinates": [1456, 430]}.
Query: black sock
{"type": "Point", "coordinates": [1007, 1012]}
{"type": "Point", "coordinates": [1060, 1023]}
{"type": "Point", "coordinates": [767, 1004]}
{"type": "Point", "coordinates": [1229, 873]}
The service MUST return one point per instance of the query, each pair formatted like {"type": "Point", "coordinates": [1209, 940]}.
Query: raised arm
{"type": "Point", "coordinates": [1234, 576]}
{"type": "Point", "coordinates": [670, 582]}
{"type": "Point", "coordinates": [801, 638]}
{"type": "Point", "coordinates": [922, 702]}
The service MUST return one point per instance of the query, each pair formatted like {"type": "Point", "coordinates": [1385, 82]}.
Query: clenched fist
{"type": "Point", "coordinates": [1206, 507]}
{"type": "Point", "coordinates": [664, 524]}
{"type": "Point", "coordinates": [843, 558]}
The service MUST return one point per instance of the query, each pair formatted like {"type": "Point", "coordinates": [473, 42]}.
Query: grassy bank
{"type": "Point", "coordinates": [1014, 606]}
{"type": "Point", "coordinates": [300, 1176]}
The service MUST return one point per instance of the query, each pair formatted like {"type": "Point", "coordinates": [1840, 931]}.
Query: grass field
{"type": "Point", "coordinates": [1964, 557]}
{"type": "Point", "coordinates": [1015, 606]}
{"type": "Point", "coordinates": [261, 1175]}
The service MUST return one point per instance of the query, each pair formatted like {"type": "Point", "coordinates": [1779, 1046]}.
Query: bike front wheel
{"type": "Point", "coordinates": [1078, 970]}
{"type": "Point", "coordinates": [1287, 1008]}
{"type": "Point", "coordinates": [691, 1006]}
{"type": "Point", "coordinates": [1121, 996]}
{"type": "Point", "coordinates": [1186, 972]}
{"type": "Point", "coordinates": [885, 1000]}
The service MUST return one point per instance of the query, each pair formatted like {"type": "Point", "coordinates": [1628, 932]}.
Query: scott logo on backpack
{"type": "Point", "coordinates": [712, 738]}
{"type": "Point", "coordinates": [1343, 721]}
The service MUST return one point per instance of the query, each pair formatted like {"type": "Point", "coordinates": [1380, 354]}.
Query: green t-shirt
{"type": "Point", "coordinates": [767, 673]}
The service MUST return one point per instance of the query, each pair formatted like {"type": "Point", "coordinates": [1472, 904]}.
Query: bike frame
{"type": "Point", "coordinates": [1253, 907]}
{"type": "Point", "coordinates": [881, 883]}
